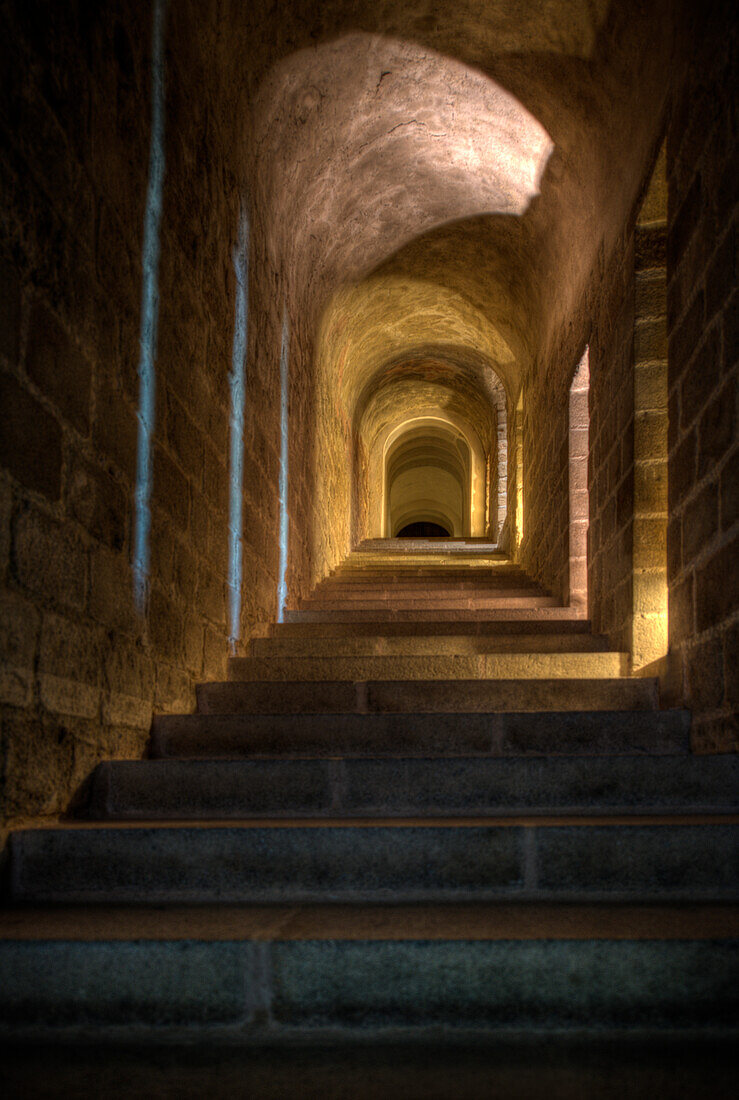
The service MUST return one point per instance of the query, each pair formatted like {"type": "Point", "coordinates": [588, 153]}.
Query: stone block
{"type": "Point", "coordinates": [730, 639]}
{"type": "Point", "coordinates": [674, 555]}
{"type": "Point", "coordinates": [649, 636]}
{"type": "Point", "coordinates": [731, 332]}
{"type": "Point", "coordinates": [517, 984]}
{"type": "Point", "coordinates": [685, 223]}
{"type": "Point", "coordinates": [19, 630]}
{"type": "Point", "coordinates": [685, 339]}
{"type": "Point", "coordinates": [121, 984]}
{"type": "Point", "coordinates": [215, 654]}
{"type": "Point", "coordinates": [128, 668]}
{"type": "Point", "coordinates": [31, 440]}
{"type": "Point", "coordinates": [650, 488]}
{"type": "Point", "coordinates": [170, 491]}
{"type": "Point", "coordinates": [211, 789]}
{"type": "Point", "coordinates": [193, 640]}
{"type": "Point", "coordinates": [215, 480]}
{"type": "Point", "coordinates": [681, 611]}
{"type": "Point", "coordinates": [650, 245]}
{"type": "Point", "coordinates": [10, 313]}
{"type": "Point", "coordinates": [682, 861]}
{"type": "Point", "coordinates": [71, 649]}
{"type": "Point", "coordinates": [38, 764]}
{"type": "Point", "coordinates": [717, 428]}
{"type": "Point", "coordinates": [212, 597]}
{"type": "Point", "coordinates": [49, 560]}
{"type": "Point", "coordinates": [682, 471]}
{"type": "Point", "coordinates": [650, 339]}
{"type": "Point", "coordinates": [66, 696]}
{"type": "Point", "coordinates": [650, 387]}
{"type": "Point", "coordinates": [717, 587]}
{"type": "Point", "coordinates": [700, 522]}
{"type": "Point", "coordinates": [704, 664]}
{"type": "Point", "coordinates": [649, 543]}
{"type": "Point", "coordinates": [721, 276]}
{"type": "Point", "coordinates": [700, 378]}
{"type": "Point", "coordinates": [650, 436]}
{"type": "Point", "coordinates": [120, 709]}
{"type": "Point", "coordinates": [97, 502]}
{"type": "Point", "coordinates": [651, 293]}
{"type": "Point", "coordinates": [729, 492]}
{"type": "Point", "coordinates": [184, 439]}
{"type": "Point", "coordinates": [111, 591]}
{"type": "Point", "coordinates": [115, 431]}
{"type": "Point", "coordinates": [165, 625]}
{"type": "Point", "coordinates": [174, 690]}
{"type": "Point", "coordinates": [58, 367]}
{"type": "Point", "coordinates": [267, 864]}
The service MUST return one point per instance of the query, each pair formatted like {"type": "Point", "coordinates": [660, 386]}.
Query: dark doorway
{"type": "Point", "coordinates": [423, 530]}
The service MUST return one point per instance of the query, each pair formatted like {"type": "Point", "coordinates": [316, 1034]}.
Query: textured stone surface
{"type": "Point", "coordinates": [376, 863]}
{"type": "Point", "coordinates": [433, 211]}
{"type": "Point", "coordinates": [154, 984]}
{"type": "Point", "coordinates": [505, 734]}
{"type": "Point", "coordinates": [511, 985]}
{"type": "Point", "coordinates": [411, 786]}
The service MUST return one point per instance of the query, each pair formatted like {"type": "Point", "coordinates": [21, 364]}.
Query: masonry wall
{"type": "Point", "coordinates": [82, 672]}
{"type": "Point", "coordinates": [621, 315]}
{"type": "Point", "coordinates": [703, 553]}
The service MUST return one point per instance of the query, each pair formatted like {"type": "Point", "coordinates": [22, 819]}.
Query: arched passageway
{"type": "Point", "coordinates": [349, 217]}
{"type": "Point", "coordinates": [428, 479]}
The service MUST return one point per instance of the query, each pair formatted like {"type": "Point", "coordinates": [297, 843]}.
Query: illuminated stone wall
{"type": "Point", "coordinates": [454, 192]}
{"type": "Point", "coordinates": [82, 671]}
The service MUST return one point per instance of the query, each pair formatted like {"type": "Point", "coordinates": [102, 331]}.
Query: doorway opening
{"type": "Point", "coordinates": [423, 530]}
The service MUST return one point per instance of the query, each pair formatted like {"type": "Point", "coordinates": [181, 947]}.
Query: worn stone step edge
{"type": "Point", "coordinates": [569, 859]}
{"type": "Point", "coordinates": [484, 666]}
{"type": "Point", "coordinates": [422, 616]}
{"type": "Point", "coordinates": [502, 734]}
{"type": "Point", "coordinates": [252, 991]}
{"type": "Point", "coordinates": [422, 645]}
{"type": "Point", "coordinates": [414, 786]}
{"type": "Point", "coordinates": [526, 627]}
{"type": "Point", "coordinates": [430, 603]}
{"type": "Point", "coordinates": [419, 696]}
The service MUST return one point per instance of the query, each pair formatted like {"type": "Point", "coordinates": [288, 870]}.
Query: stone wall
{"type": "Point", "coordinates": [82, 671]}
{"type": "Point", "coordinates": [703, 552]}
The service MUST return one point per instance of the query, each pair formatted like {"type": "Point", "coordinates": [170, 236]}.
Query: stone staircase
{"type": "Point", "coordinates": [430, 805]}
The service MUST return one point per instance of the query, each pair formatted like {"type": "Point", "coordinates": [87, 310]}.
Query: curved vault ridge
{"type": "Point", "coordinates": [365, 142]}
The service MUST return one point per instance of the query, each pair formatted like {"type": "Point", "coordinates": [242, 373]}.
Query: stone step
{"type": "Point", "coordinates": [467, 576]}
{"type": "Point", "coordinates": [403, 861]}
{"type": "Point", "coordinates": [422, 616]}
{"type": "Point", "coordinates": [298, 627]}
{"type": "Point", "coordinates": [427, 603]}
{"type": "Point", "coordinates": [412, 787]}
{"type": "Point", "coordinates": [374, 645]}
{"type": "Point", "coordinates": [424, 696]}
{"type": "Point", "coordinates": [266, 975]}
{"type": "Point", "coordinates": [438, 547]}
{"type": "Point", "coordinates": [450, 666]}
{"type": "Point", "coordinates": [583, 733]}
{"type": "Point", "coordinates": [427, 593]}
{"type": "Point", "coordinates": [499, 574]}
